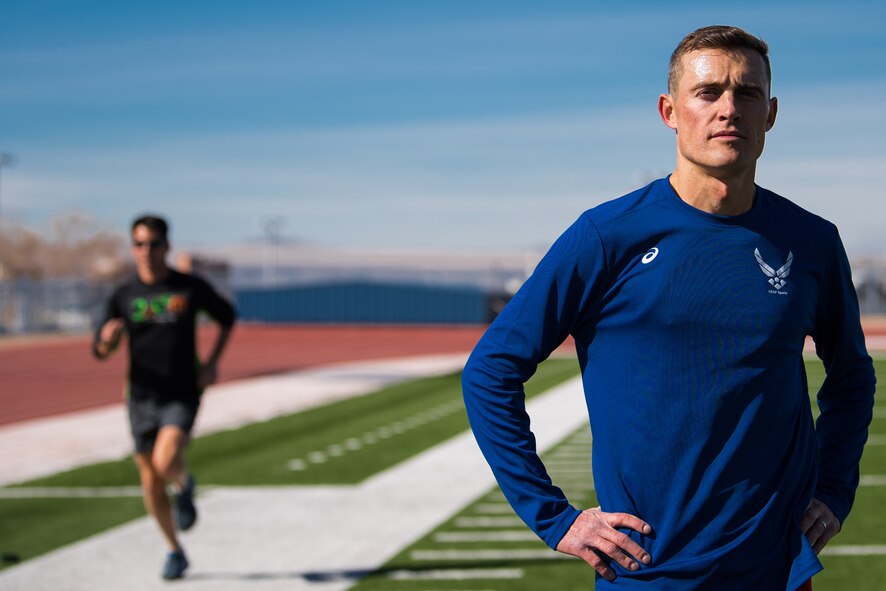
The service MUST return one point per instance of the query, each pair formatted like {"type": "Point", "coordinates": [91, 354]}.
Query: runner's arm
{"type": "Point", "coordinates": [220, 310]}
{"type": "Point", "coordinates": [107, 336]}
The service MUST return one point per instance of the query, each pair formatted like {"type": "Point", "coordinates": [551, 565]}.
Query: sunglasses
{"type": "Point", "coordinates": [152, 244]}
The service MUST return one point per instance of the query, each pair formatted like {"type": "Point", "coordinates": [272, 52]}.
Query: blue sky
{"type": "Point", "coordinates": [409, 125]}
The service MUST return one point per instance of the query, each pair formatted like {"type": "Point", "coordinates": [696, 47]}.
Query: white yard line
{"type": "Point", "coordinates": [457, 574]}
{"type": "Point", "coordinates": [872, 480]}
{"type": "Point", "coordinates": [70, 492]}
{"type": "Point", "coordinates": [484, 554]}
{"type": "Point", "coordinates": [522, 535]}
{"type": "Point", "coordinates": [876, 439]}
{"type": "Point", "coordinates": [870, 550]}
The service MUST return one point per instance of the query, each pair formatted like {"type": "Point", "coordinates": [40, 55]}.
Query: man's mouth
{"type": "Point", "coordinates": [729, 134]}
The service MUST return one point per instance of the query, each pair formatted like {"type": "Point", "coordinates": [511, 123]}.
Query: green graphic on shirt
{"type": "Point", "coordinates": [157, 308]}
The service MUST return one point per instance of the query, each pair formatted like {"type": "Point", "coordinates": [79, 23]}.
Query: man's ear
{"type": "Point", "coordinates": [773, 111]}
{"type": "Point", "coordinates": [666, 111]}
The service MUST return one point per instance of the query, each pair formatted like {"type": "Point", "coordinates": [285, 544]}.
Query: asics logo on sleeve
{"type": "Point", "coordinates": [649, 256]}
{"type": "Point", "coordinates": [777, 277]}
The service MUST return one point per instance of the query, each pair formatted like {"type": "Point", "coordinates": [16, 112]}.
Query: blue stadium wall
{"type": "Point", "coordinates": [366, 303]}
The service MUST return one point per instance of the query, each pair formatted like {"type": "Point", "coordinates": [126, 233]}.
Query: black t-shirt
{"type": "Point", "coordinates": [161, 321]}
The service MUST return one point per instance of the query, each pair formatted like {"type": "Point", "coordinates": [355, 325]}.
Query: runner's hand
{"type": "Point", "coordinates": [594, 539]}
{"type": "Point", "coordinates": [819, 524]}
{"type": "Point", "coordinates": [109, 335]}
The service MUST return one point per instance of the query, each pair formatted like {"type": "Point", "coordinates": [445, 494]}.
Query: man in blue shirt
{"type": "Point", "coordinates": [689, 301]}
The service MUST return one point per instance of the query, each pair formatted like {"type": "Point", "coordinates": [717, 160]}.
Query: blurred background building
{"type": "Point", "coordinates": [274, 282]}
{"type": "Point", "coordinates": [59, 281]}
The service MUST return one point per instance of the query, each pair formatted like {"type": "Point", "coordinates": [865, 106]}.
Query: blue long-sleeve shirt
{"type": "Point", "coordinates": [689, 329]}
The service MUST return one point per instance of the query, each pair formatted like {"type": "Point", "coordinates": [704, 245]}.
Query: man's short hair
{"type": "Point", "coordinates": [716, 37]}
{"type": "Point", "coordinates": [154, 223]}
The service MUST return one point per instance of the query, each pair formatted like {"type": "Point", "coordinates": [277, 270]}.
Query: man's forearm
{"type": "Point", "coordinates": [221, 343]}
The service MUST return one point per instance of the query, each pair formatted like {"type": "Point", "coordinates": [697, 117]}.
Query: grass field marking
{"type": "Point", "coordinates": [316, 457]}
{"type": "Point", "coordinates": [876, 440]}
{"type": "Point", "coordinates": [70, 492]}
{"type": "Point", "coordinates": [879, 413]}
{"type": "Point", "coordinates": [565, 474]}
{"type": "Point", "coordinates": [297, 464]}
{"type": "Point", "coordinates": [523, 535]}
{"type": "Point", "coordinates": [457, 575]}
{"type": "Point", "coordinates": [466, 522]}
{"type": "Point", "coordinates": [577, 489]}
{"type": "Point", "coordinates": [352, 443]}
{"type": "Point", "coordinates": [871, 550]}
{"type": "Point", "coordinates": [568, 463]}
{"type": "Point", "coordinates": [575, 449]}
{"type": "Point", "coordinates": [488, 554]}
{"type": "Point", "coordinates": [872, 480]}
{"type": "Point", "coordinates": [493, 508]}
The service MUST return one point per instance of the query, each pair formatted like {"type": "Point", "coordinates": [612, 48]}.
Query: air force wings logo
{"type": "Point", "coordinates": [777, 278]}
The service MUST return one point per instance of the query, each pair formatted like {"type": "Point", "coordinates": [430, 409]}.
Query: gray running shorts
{"type": "Point", "coordinates": [147, 416]}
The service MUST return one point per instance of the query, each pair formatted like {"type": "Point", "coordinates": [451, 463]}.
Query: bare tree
{"type": "Point", "coordinates": [76, 245]}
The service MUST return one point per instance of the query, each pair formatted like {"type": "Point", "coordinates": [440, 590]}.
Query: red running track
{"type": "Point", "coordinates": [50, 376]}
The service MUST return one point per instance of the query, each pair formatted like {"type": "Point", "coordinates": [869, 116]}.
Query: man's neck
{"type": "Point", "coordinates": [152, 276]}
{"type": "Point", "coordinates": [722, 196]}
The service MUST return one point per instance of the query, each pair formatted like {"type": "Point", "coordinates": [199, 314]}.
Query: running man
{"type": "Point", "coordinates": [158, 309]}
{"type": "Point", "coordinates": [689, 301]}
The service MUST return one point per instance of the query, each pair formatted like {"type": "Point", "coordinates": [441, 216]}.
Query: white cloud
{"type": "Point", "coordinates": [483, 182]}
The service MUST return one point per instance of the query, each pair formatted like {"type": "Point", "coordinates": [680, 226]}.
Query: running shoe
{"type": "Point", "coordinates": [175, 566]}
{"type": "Point", "coordinates": [185, 512]}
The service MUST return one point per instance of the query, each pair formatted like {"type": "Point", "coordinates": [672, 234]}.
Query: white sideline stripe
{"type": "Point", "coordinates": [457, 574]}
{"type": "Point", "coordinates": [486, 536]}
{"type": "Point", "coordinates": [880, 413]}
{"type": "Point", "coordinates": [70, 492]}
{"type": "Point", "coordinates": [872, 480]}
{"type": "Point", "coordinates": [872, 550]}
{"type": "Point", "coordinates": [876, 439]}
{"type": "Point", "coordinates": [487, 555]}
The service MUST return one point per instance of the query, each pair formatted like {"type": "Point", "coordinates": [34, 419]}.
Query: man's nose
{"type": "Point", "coordinates": [728, 109]}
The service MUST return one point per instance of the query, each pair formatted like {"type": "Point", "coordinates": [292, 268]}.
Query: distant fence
{"type": "Point", "coordinates": [369, 303]}
{"type": "Point", "coordinates": [75, 305]}
{"type": "Point", "coordinates": [52, 305]}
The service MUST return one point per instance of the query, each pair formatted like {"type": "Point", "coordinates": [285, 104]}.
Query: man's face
{"type": "Point", "coordinates": [149, 250]}
{"type": "Point", "coordinates": [721, 110]}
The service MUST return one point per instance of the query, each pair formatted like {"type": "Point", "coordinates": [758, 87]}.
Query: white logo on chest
{"type": "Point", "coordinates": [777, 278]}
{"type": "Point", "coordinates": [649, 256]}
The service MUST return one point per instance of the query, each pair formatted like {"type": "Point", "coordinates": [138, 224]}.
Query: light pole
{"type": "Point", "coordinates": [272, 226]}
{"type": "Point", "coordinates": [5, 160]}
